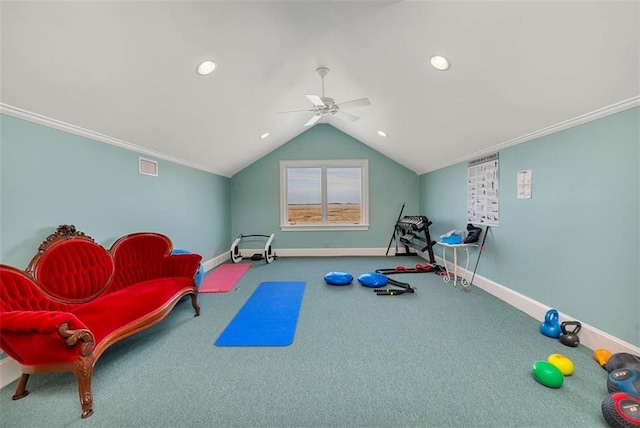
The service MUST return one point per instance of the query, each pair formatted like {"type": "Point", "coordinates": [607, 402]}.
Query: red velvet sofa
{"type": "Point", "coordinates": [76, 298]}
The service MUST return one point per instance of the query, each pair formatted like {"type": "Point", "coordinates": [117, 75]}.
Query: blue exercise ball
{"type": "Point", "coordinates": [200, 273]}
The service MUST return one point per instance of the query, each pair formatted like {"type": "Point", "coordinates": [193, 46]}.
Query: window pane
{"type": "Point", "coordinates": [304, 195]}
{"type": "Point", "coordinates": [344, 195]}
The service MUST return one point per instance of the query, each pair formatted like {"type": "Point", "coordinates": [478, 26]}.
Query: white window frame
{"type": "Point", "coordinates": [324, 164]}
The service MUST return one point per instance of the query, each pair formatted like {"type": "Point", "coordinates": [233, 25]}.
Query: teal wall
{"type": "Point", "coordinates": [575, 244]}
{"type": "Point", "coordinates": [255, 196]}
{"type": "Point", "coordinates": [50, 177]}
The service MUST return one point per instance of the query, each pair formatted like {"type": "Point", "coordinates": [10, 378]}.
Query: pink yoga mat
{"type": "Point", "coordinates": [223, 278]}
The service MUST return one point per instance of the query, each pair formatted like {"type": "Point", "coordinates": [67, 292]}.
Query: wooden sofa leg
{"type": "Point", "coordinates": [21, 389]}
{"type": "Point", "coordinates": [83, 371]}
{"type": "Point", "coordinates": [194, 303]}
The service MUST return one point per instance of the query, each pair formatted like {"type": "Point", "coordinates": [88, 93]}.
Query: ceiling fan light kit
{"type": "Point", "coordinates": [326, 106]}
{"type": "Point", "coordinates": [322, 72]}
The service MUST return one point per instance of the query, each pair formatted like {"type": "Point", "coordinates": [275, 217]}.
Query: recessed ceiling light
{"type": "Point", "coordinates": [382, 133]}
{"type": "Point", "coordinates": [440, 63]}
{"type": "Point", "coordinates": [206, 67]}
{"type": "Point", "coordinates": [265, 135]}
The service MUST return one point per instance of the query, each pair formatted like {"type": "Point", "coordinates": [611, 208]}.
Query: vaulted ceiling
{"type": "Point", "coordinates": [126, 72]}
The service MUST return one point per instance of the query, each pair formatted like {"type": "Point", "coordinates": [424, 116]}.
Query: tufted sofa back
{"type": "Point", "coordinates": [74, 271]}
{"type": "Point", "coordinates": [139, 257]}
{"type": "Point", "coordinates": [18, 292]}
{"type": "Point", "coordinates": [70, 267]}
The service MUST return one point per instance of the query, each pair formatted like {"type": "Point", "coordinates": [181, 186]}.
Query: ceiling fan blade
{"type": "Point", "coordinates": [346, 116]}
{"type": "Point", "coordinates": [355, 103]}
{"type": "Point", "coordinates": [313, 120]}
{"type": "Point", "coordinates": [293, 111]}
{"type": "Point", "coordinates": [316, 100]}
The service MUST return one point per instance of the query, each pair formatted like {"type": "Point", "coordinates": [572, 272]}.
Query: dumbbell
{"type": "Point", "coordinates": [624, 380]}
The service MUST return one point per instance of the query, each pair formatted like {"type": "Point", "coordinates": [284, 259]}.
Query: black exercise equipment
{"type": "Point", "coordinates": [413, 232]}
{"type": "Point", "coordinates": [387, 292]}
{"type": "Point", "coordinates": [624, 380]}
{"type": "Point", "coordinates": [404, 287]}
{"type": "Point", "coordinates": [621, 410]}
{"type": "Point", "coordinates": [484, 238]}
{"type": "Point", "coordinates": [393, 235]}
{"type": "Point", "coordinates": [570, 337]}
{"type": "Point", "coordinates": [269, 255]}
{"type": "Point", "coordinates": [417, 269]}
{"type": "Point", "coordinates": [622, 360]}
{"type": "Point", "coordinates": [473, 234]}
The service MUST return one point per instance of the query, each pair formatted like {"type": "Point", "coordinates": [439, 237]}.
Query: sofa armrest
{"type": "Point", "coordinates": [182, 265]}
{"type": "Point", "coordinates": [44, 322]}
{"type": "Point", "coordinates": [44, 337]}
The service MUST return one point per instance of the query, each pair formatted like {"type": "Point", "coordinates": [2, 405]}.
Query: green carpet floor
{"type": "Point", "coordinates": [438, 358]}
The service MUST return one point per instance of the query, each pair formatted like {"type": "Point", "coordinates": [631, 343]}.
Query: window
{"type": "Point", "coordinates": [324, 195]}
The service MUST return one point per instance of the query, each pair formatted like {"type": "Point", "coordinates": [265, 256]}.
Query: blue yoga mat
{"type": "Point", "coordinates": [268, 318]}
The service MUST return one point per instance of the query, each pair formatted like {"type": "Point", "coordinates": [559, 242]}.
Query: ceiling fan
{"type": "Point", "coordinates": [325, 106]}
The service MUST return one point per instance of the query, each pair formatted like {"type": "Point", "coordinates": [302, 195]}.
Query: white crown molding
{"type": "Point", "coordinates": [73, 129]}
{"type": "Point", "coordinates": [76, 130]}
{"type": "Point", "coordinates": [587, 117]}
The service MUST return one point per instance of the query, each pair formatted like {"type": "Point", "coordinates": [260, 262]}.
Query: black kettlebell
{"type": "Point", "coordinates": [570, 338]}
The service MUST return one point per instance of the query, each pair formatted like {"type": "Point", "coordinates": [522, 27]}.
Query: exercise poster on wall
{"type": "Point", "coordinates": [483, 190]}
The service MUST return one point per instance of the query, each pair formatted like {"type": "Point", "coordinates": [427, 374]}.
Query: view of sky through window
{"type": "Point", "coordinates": [344, 185]}
{"type": "Point", "coordinates": [304, 185]}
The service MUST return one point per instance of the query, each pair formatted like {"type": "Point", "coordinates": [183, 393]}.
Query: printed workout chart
{"type": "Point", "coordinates": [483, 190]}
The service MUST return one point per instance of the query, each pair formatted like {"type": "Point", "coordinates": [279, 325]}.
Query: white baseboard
{"type": "Point", "coordinates": [320, 252]}
{"type": "Point", "coordinates": [327, 252]}
{"type": "Point", "coordinates": [211, 263]}
{"type": "Point", "coordinates": [590, 336]}
{"type": "Point", "coordinates": [9, 371]}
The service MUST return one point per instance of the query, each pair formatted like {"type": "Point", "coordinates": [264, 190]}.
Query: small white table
{"type": "Point", "coordinates": [448, 274]}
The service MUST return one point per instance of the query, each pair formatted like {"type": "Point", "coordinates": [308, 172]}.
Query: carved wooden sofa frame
{"type": "Point", "coordinates": [61, 313]}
